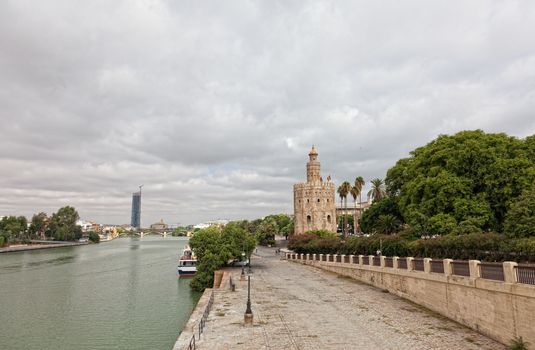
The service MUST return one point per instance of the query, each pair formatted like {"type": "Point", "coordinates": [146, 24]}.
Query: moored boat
{"type": "Point", "coordinates": [187, 265]}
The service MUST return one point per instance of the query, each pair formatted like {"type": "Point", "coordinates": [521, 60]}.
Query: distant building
{"type": "Point", "coordinates": [159, 225]}
{"type": "Point", "coordinates": [217, 223]}
{"type": "Point", "coordinates": [136, 210]}
{"type": "Point", "coordinates": [314, 201]}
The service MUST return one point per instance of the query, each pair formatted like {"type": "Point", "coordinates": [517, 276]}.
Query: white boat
{"type": "Point", "coordinates": [187, 265]}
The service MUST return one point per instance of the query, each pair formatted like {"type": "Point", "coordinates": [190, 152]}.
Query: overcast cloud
{"type": "Point", "coordinates": [213, 106]}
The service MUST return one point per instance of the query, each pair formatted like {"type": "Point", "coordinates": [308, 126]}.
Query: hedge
{"type": "Point", "coordinates": [480, 246]}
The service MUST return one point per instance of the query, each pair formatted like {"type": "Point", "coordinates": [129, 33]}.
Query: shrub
{"type": "Point", "coordinates": [94, 237]}
{"type": "Point", "coordinates": [322, 233]}
{"type": "Point", "coordinates": [299, 243]}
{"type": "Point", "coordinates": [518, 344]}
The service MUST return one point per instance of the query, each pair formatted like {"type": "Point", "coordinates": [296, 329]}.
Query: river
{"type": "Point", "coordinates": [122, 294]}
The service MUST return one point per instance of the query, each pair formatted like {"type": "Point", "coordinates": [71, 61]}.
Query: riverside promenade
{"type": "Point", "coordinates": [301, 307]}
{"type": "Point", "coordinates": [47, 245]}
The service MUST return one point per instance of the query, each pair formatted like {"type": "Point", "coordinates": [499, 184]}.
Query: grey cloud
{"type": "Point", "coordinates": [214, 106]}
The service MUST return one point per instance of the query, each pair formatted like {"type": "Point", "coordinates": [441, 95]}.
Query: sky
{"type": "Point", "coordinates": [214, 105]}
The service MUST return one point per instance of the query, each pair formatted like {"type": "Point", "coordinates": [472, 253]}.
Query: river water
{"type": "Point", "coordinates": [122, 294]}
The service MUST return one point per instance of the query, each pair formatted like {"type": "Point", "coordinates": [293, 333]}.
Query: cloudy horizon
{"type": "Point", "coordinates": [213, 106]}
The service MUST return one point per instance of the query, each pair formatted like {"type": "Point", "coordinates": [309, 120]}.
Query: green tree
{"type": "Point", "coordinates": [94, 237]}
{"type": "Point", "coordinates": [520, 218]}
{"type": "Point", "coordinates": [265, 233]}
{"type": "Point", "coordinates": [370, 218]}
{"type": "Point", "coordinates": [39, 224]}
{"type": "Point", "coordinates": [63, 224]}
{"type": "Point", "coordinates": [471, 176]}
{"type": "Point", "coordinates": [442, 224]}
{"type": "Point", "coordinates": [13, 228]}
{"type": "Point", "coordinates": [214, 247]}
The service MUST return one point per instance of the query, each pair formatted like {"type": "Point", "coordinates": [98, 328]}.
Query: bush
{"type": "Point", "coordinates": [299, 243]}
{"type": "Point", "coordinates": [2, 241]}
{"type": "Point", "coordinates": [518, 344]}
{"type": "Point", "coordinates": [481, 246]}
{"type": "Point", "coordinates": [322, 233]}
{"type": "Point", "coordinates": [94, 237]}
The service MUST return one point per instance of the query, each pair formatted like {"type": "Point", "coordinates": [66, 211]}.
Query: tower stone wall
{"type": "Point", "coordinates": [314, 200]}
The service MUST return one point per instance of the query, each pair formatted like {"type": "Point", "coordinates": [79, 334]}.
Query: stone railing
{"type": "Point", "coordinates": [496, 299]}
{"type": "Point", "coordinates": [508, 271]}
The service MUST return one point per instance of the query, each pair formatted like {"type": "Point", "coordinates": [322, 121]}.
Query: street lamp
{"type": "Point", "coordinates": [242, 268]}
{"type": "Point", "coordinates": [248, 317]}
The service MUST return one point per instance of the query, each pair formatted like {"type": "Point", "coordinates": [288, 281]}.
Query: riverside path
{"type": "Point", "coordinates": [300, 307]}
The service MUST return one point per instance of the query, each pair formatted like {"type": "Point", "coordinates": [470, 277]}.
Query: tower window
{"type": "Point", "coordinates": [318, 200]}
{"type": "Point", "coordinates": [329, 219]}
{"type": "Point", "coordinates": [309, 219]}
{"type": "Point", "coordinates": [308, 200]}
{"type": "Point", "coordinates": [327, 200]}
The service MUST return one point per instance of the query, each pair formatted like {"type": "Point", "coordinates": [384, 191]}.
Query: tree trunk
{"type": "Point", "coordinates": [360, 211]}
{"type": "Point", "coordinates": [345, 217]}
{"type": "Point", "coordinates": [355, 219]}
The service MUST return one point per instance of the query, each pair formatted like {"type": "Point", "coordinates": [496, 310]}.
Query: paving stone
{"type": "Point", "coordinates": [301, 307]}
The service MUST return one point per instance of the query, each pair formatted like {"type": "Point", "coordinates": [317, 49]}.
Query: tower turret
{"type": "Point", "coordinates": [313, 166]}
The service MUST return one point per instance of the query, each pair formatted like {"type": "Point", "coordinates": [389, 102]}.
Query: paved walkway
{"type": "Point", "coordinates": [301, 307]}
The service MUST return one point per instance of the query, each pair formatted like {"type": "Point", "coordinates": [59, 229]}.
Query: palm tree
{"type": "Point", "coordinates": [354, 193]}
{"type": "Point", "coordinates": [359, 183]}
{"type": "Point", "coordinates": [343, 191]}
{"type": "Point", "coordinates": [387, 224]}
{"type": "Point", "coordinates": [378, 190]}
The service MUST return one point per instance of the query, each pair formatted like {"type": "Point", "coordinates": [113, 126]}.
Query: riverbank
{"type": "Point", "coordinates": [24, 247]}
{"type": "Point", "coordinates": [302, 307]}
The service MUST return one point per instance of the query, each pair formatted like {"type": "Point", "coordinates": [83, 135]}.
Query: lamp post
{"type": "Point", "coordinates": [242, 277]}
{"type": "Point", "coordinates": [248, 317]}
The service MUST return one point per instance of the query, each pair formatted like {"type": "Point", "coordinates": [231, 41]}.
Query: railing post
{"type": "Point", "coordinates": [351, 257]}
{"type": "Point", "coordinates": [382, 259]}
{"type": "Point", "coordinates": [475, 271]}
{"type": "Point", "coordinates": [410, 265]}
{"type": "Point", "coordinates": [509, 272]}
{"type": "Point", "coordinates": [427, 265]}
{"type": "Point", "coordinates": [361, 259]}
{"type": "Point", "coordinates": [328, 257]}
{"type": "Point", "coordinates": [321, 257]}
{"type": "Point", "coordinates": [342, 258]}
{"type": "Point", "coordinates": [314, 257]}
{"type": "Point", "coordinates": [448, 268]}
{"type": "Point", "coordinates": [395, 262]}
{"type": "Point", "coordinates": [370, 260]}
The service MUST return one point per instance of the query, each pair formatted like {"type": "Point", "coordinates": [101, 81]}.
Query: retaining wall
{"type": "Point", "coordinates": [501, 310]}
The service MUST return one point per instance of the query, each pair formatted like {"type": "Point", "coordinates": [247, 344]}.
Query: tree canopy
{"type": "Point", "coordinates": [214, 247]}
{"type": "Point", "coordinates": [466, 181]}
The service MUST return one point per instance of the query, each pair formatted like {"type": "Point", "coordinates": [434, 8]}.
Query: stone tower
{"type": "Point", "coordinates": [314, 201]}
